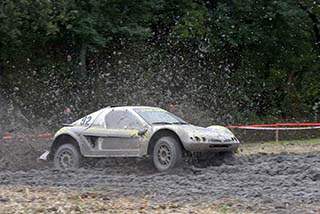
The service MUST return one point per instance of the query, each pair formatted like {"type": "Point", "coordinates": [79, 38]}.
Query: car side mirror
{"type": "Point", "coordinates": [142, 131]}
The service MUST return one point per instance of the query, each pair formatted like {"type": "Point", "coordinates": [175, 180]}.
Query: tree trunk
{"type": "Point", "coordinates": [83, 60]}
{"type": "Point", "coordinates": [315, 23]}
{"type": "Point", "coordinates": [0, 74]}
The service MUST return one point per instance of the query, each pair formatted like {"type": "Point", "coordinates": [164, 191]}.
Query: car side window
{"type": "Point", "coordinates": [131, 121]}
{"type": "Point", "coordinates": [113, 119]}
{"type": "Point", "coordinates": [122, 120]}
{"type": "Point", "coordinates": [99, 121]}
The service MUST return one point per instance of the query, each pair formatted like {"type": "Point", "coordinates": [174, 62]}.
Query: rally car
{"type": "Point", "coordinates": [136, 131]}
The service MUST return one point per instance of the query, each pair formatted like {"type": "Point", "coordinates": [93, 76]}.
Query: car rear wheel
{"type": "Point", "coordinates": [67, 156]}
{"type": "Point", "coordinates": [167, 153]}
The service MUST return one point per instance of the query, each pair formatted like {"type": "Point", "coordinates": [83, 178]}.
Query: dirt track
{"type": "Point", "coordinates": [269, 183]}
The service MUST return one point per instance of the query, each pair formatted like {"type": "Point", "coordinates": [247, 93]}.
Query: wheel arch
{"type": "Point", "coordinates": [62, 139]}
{"type": "Point", "coordinates": [160, 133]}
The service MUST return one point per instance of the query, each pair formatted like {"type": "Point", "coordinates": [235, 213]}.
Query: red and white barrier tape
{"type": "Point", "coordinates": [279, 126]}
{"type": "Point", "coordinates": [30, 136]}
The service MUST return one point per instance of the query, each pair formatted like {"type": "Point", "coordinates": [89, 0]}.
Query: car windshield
{"type": "Point", "coordinates": [159, 116]}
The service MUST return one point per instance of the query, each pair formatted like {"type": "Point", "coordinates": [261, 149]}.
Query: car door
{"type": "Point", "coordinates": [119, 136]}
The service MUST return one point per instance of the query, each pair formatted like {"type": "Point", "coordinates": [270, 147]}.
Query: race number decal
{"type": "Point", "coordinates": [85, 121]}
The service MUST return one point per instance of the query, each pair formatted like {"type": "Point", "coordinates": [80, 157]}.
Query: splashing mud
{"type": "Point", "coordinates": [277, 183]}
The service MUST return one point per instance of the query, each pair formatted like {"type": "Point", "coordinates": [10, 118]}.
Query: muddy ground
{"type": "Point", "coordinates": [252, 183]}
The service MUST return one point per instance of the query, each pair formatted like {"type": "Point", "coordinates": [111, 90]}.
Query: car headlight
{"type": "Point", "coordinates": [198, 139]}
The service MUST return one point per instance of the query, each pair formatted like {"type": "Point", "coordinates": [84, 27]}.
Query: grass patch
{"type": "Point", "coordinates": [28, 199]}
{"type": "Point", "coordinates": [286, 142]}
{"type": "Point", "coordinates": [224, 209]}
{"type": "Point", "coordinates": [293, 146]}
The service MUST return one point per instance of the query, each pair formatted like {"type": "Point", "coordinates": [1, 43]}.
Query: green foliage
{"type": "Point", "coordinates": [253, 59]}
{"type": "Point", "coordinates": [268, 46]}
{"type": "Point", "coordinates": [224, 209]}
{"type": "Point", "coordinates": [193, 23]}
{"type": "Point", "coordinates": [26, 24]}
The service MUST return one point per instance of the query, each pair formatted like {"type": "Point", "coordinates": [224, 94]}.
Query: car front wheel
{"type": "Point", "coordinates": [67, 156]}
{"type": "Point", "coordinates": [167, 153]}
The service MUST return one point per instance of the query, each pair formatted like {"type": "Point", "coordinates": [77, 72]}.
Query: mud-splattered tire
{"type": "Point", "coordinates": [228, 157]}
{"type": "Point", "coordinates": [167, 153]}
{"type": "Point", "coordinates": [67, 156]}
{"type": "Point", "coordinates": [230, 154]}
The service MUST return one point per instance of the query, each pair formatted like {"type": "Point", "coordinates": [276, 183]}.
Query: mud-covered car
{"type": "Point", "coordinates": [136, 131]}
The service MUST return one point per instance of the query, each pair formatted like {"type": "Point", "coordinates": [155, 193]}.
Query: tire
{"type": "Point", "coordinates": [166, 154]}
{"type": "Point", "coordinates": [67, 156]}
{"type": "Point", "coordinates": [228, 157]}
{"type": "Point", "coordinates": [229, 154]}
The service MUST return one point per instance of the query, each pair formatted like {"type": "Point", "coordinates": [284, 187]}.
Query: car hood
{"type": "Point", "coordinates": [218, 133]}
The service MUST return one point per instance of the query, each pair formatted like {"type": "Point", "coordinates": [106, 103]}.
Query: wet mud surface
{"type": "Point", "coordinates": [261, 183]}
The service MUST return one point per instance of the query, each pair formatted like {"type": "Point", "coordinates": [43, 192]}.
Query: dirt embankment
{"type": "Point", "coordinates": [258, 183]}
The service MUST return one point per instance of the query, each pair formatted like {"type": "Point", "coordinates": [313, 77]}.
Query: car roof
{"type": "Point", "coordinates": [132, 107]}
{"type": "Point", "coordinates": [106, 110]}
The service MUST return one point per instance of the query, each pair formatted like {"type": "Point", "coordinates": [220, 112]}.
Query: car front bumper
{"type": "Point", "coordinates": [211, 147]}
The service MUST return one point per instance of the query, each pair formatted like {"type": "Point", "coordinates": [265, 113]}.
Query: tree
{"type": "Point", "coordinates": [85, 24]}
{"type": "Point", "coordinates": [257, 40]}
